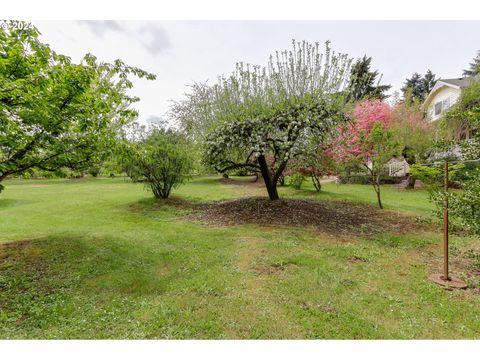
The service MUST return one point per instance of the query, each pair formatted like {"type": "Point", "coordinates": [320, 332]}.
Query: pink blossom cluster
{"type": "Point", "coordinates": [365, 115]}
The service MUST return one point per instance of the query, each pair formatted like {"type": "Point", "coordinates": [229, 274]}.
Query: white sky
{"type": "Point", "coordinates": [183, 52]}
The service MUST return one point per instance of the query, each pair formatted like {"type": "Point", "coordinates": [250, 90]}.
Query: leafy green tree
{"type": "Point", "coordinates": [263, 117]}
{"type": "Point", "coordinates": [55, 113]}
{"type": "Point", "coordinates": [381, 146]}
{"type": "Point", "coordinates": [363, 82]}
{"type": "Point", "coordinates": [465, 116]}
{"type": "Point", "coordinates": [464, 205]}
{"type": "Point", "coordinates": [161, 158]}
{"type": "Point", "coordinates": [474, 68]}
{"type": "Point", "coordinates": [417, 87]}
{"type": "Point", "coordinates": [413, 132]}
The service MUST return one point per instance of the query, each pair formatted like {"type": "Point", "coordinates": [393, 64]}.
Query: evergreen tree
{"type": "Point", "coordinates": [417, 87]}
{"type": "Point", "coordinates": [474, 67]}
{"type": "Point", "coordinates": [429, 81]}
{"type": "Point", "coordinates": [364, 83]}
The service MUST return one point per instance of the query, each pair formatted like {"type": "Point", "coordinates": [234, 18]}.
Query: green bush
{"type": "Point", "coordinates": [464, 204]}
{"type": "Point", "coordinates": [296, 180]}
{"type": "Point", "coordinates": [161, 160]}
{"type": "Point", "coordinates": [366, 180]}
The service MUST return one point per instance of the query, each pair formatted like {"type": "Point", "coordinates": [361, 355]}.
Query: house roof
{"type": "Point", "coordinates": [457, 83]}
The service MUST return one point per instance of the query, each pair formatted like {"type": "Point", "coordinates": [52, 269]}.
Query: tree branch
{"type": "Point", "coordinates": [238, 166]}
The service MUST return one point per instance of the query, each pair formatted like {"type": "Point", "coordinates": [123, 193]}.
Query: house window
{"type": "Point", "coordinates": [442, 106]}
{"type": "Point", "coordinates": [438, 108]}
{"type": "Point", "coordinates": [446, 104]}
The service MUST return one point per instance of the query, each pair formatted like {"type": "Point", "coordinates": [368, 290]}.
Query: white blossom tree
{"type": "Point", "coordinates": [259, 118]}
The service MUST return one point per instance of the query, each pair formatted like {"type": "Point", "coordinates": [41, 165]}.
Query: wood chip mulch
{"type": "Point", "coordinates": [333, 217]}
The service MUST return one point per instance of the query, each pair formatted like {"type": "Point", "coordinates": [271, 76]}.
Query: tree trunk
{"type": "Point", "coordinates": [376, 187]}
{"type": "Point", "coordinates": [379, 199]}
{"type": "Point", "coordinates": [316, 183]}
{"type": "Point", "coordinates": [2, 177]}
{"type": "Point", "coordinates": [410, 182]}
{"type": "Point", "coordinates": [377, 190]}
{"type": "Point", "coordinates": [269, 183]}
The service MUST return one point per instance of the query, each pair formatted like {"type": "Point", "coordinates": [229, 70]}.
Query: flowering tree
{"type": "Point", "coordinates": [259, 118]}
{"type": "Point", "coordinates": [368, 140]}
{"type": "Point", "coordinates": [281, 137]}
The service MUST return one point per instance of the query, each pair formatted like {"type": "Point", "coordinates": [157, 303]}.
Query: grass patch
{"type": "Point", "coordinates": [100, 258]}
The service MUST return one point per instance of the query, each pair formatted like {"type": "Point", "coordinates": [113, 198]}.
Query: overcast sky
{"type": "Point", "coordinates": [183, 52]}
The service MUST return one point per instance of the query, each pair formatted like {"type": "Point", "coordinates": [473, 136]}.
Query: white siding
{"type": "Point", "coordinates": [442, 94]}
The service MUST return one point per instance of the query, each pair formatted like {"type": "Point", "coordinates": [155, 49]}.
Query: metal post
{"type": "Point", "coordinates": [445, 225]}
{"type": "Point", "coordinates": [445, 279]}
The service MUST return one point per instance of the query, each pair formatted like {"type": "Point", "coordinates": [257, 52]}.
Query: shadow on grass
{"type": "Point", "coordinates": [9, 203]}
{"type": "Point", "coordinates": [61, 281]}
{"type": "Point", "coordinates": [39, 276]}
{"type": "Point", "coordinates": [160, 208]}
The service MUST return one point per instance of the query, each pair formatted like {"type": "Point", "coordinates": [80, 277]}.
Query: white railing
{"type": "Point", "coordinates": [398, 168]}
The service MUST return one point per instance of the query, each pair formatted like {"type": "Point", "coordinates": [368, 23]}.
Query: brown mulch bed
{"type": "Point", "coordinates": [333, 217]}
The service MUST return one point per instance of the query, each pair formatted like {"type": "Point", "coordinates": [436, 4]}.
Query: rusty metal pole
{"type": "Point", "coordinates": [445, 279]}
{"type": "Point", "coordinates": [445, 225]}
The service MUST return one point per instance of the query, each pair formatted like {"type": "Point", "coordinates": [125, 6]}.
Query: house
{"type": "Point", "coordinates": [398, 167]}
{"type": "Point", "coordinates": [444, 95]}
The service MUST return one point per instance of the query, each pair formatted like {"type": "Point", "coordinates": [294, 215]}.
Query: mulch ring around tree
{"type": "Point", "coordinates": [337, 218]}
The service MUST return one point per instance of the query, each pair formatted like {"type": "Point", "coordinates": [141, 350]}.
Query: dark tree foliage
{"type": "Point", "coordinates": [474, 68]}
{"type": "Point", "coordinates": [417, 87]}
{"type": "Point", "coordinates": [363, 82]}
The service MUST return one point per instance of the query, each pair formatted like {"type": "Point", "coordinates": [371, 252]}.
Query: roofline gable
{"type": "Point", "coordinates": [438, 85]}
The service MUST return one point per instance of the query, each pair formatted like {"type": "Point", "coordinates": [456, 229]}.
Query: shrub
{"type": "Point", "coordinates": [366, 179]}
{"type": "Point", "coordinates": [95, 170]}
{"type": "Point", "coordinates": [296, 180]}
{"type": "Point", "coordinates": [161, 160]}
{"type": "Point", "coordinates": [464, 205]}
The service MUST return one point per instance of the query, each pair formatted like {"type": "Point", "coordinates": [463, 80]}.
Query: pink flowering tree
{"type": "Point", "coordinates": [368, 140]}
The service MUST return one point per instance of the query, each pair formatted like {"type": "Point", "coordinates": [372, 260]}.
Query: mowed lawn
{"type": "Point", "coordinates": [99, 258]}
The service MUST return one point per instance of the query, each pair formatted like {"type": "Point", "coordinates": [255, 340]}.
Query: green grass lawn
{"type": "Point", "coordinates": [99, 258]}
